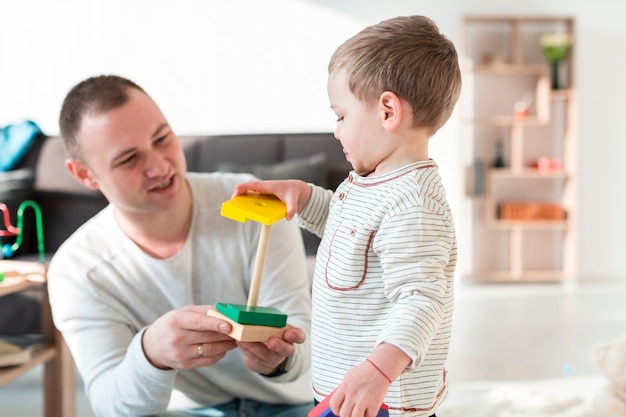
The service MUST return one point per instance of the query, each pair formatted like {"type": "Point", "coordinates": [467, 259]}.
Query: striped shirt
{"type": "Point", "coordinates": [384, 273]}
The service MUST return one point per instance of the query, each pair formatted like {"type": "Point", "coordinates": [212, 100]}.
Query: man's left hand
{"type": "Point", "coordinates": [264, 358]}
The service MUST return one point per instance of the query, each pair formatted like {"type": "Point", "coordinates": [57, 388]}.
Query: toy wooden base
{"type": "Point", "coordinates": [259, 316]}
{"type": "Point", "coordinates": [249, 332]}
{"type": "Point", "coordinates": [322, 409]}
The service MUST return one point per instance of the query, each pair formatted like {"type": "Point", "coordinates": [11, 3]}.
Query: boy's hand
{"type": "Point", "coordinates": [294, 193]}
{"type": "Point", "coordinates": [361, 393]}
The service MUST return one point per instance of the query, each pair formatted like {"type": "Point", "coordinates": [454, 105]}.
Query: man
{"type": "Point", "coordinates": [130, 289]}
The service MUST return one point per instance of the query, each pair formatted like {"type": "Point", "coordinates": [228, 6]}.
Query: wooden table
{"type": "Point", "coordinates": [59, 382]}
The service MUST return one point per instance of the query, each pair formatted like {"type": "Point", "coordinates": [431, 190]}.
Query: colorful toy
{"type": "Point", "coordinates": [251, 323]}
{"type": "Point", "coordinates": [9, 249]}
{"type": "Point", "coordinates": [322, 409]}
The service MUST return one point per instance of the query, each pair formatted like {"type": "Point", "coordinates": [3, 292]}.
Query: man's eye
{"type": "Point", "coordinates": [127, 160]}
{"type": "Point", "coordinates": [161, 139]}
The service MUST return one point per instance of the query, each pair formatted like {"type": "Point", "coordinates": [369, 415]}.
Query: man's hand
{"type": "Point", "coordinates": [264, 358]}
{"type": "Point", "coordinates": [186, 339]}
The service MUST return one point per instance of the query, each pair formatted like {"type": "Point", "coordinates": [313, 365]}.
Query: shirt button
{"type": "Point", "coordinates": [342, 195]}
{"type": "Point", "coordinates": [350, 179]}
{"type": "Point", "coordinates": [353, 232]}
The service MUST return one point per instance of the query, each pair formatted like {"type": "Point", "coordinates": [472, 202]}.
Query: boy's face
{"type": "Point", "coordinates": [132, 156]}
{"type": "Point", "coordinates": [359, 127]}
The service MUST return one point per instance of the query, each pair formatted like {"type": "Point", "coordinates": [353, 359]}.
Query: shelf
{"type": "Point", "coordinates": [41, 356]}
{"type": "Point", "coordinates": [510, 69]}
{"type": "Point", "coordinates": [563, 94]}
{"type": "Point", "coordinates": [19, 276]}
{"type": "Point", "coordinates": [528, 224]}
{"type": "Point", "coordinates": [527, 173]}
{"type": "Point", "coordinates": [507, 121]}
{"type": "Point", "coordinates": [59, 374]}
{"type": "Point", "coordinates": [515, 19]}
{"type": "Point", "coordinates": [534, 276]}
{"type": "Point", "coordinates": [16, 284]}
{"type": "Point", "coordinates": [513, 115]}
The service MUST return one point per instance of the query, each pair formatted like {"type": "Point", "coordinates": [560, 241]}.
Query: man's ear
{"type": "Point", "coordinates": [391, 109]}
{"type": "Point", "coordinates": [81, 173]}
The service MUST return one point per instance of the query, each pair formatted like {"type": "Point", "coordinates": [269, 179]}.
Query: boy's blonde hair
{"type": "Point", "coordinates": [408, 56]}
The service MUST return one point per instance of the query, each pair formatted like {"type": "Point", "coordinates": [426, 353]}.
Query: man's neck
{"type": "Point", "coordinates": [160, 234]}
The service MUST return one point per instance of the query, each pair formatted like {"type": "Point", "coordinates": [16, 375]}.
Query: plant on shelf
{"type": "Point", "coordinates": [556, 47]}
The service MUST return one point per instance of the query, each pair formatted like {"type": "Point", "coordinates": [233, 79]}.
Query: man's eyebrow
{"type": "Point", "coordinates": [122, 154]}
{"type": "Point", "coordinates": [160, 129]}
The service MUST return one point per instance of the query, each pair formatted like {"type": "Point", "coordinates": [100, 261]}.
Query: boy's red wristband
{"type": "Point", "coordinates": [379, 370]}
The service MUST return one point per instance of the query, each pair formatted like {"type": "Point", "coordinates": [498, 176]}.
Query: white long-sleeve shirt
{"type": "Point", "coordinates": [384, 273]}
{"type": "Point", "coordinates": [104, 291]}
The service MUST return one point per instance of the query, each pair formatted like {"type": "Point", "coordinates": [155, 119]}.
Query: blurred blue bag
{"type": "Point", "coordinates": [15, 141]}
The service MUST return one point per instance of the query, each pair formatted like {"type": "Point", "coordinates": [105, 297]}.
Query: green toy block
{"type": "Point", "coordinates": [258, 316]}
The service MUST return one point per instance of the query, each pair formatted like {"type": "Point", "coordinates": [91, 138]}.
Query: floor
{"type": "Point", "coordinates": [502, 332]}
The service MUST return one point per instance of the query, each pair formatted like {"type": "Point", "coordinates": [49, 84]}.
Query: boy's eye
{"type": "Point", "coordinates": [340, 119]}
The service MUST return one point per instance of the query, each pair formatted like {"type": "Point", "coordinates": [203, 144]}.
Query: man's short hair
{"type": "Point", "coordinates": [95, 95]}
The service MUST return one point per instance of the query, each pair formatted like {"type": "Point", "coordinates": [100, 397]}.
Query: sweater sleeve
{"type": "Point", "coordinates": [415, 278]}
{"type": "Point", "coordinates": [107, 352]}
{"type": "Point", "coordinates": [141, 388]}
{"type": "Point", "coordinates": [313, 217]}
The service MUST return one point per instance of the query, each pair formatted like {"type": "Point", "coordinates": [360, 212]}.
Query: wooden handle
{"type": "Point", "coordinates": [259, 263]}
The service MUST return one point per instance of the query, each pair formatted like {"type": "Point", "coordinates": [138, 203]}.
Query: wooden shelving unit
{"type": "Point", "coordinates": [59, 375]}
{"type": "Point", "coordinates": [509, 101]}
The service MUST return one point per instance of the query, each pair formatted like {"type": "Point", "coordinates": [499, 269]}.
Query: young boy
{"type": "Point", "coordinates": [383, 282]}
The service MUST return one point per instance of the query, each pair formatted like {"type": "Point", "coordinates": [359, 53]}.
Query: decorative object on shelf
{"type": "Point", "coordinates": [479, 177]}
{"type": "Point", "coordinates": [547, 165]}
{"type": "Point", "coordinates": [498, 161]}
{"type": "Point", "coordinates": [556, 47]}
{"type": "Point", "coordinates": [521, 108]}
{"type": "Point", "coordinates": [512, 210]}
{"type": "Point", "coordinates": [19, 349]}
{"type": "Point", "coordinates": [492, 59]}
{"type": "Point", "coordinates": [9, 249]}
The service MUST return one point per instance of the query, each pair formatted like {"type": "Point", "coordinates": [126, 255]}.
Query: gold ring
{"type": "Point", "coordinates": [200, 350]}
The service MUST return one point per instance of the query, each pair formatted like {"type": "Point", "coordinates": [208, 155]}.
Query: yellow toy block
{"type": "Point", "coordinates": [262, 208]}
{"type": "Point", "coordinates": [249, 332]}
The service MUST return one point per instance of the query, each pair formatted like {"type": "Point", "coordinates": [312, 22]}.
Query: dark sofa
{"type": "Point", "coordinates": [65, 204]}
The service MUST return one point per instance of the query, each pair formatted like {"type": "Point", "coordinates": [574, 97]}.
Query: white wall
{"type": "Point", "coordinates": [260, 66]}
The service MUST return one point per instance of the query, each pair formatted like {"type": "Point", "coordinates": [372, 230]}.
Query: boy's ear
{"type": "Point", "coordinates": [81, 173]}
{"type": "Point", "coordinates": [391, 109]}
